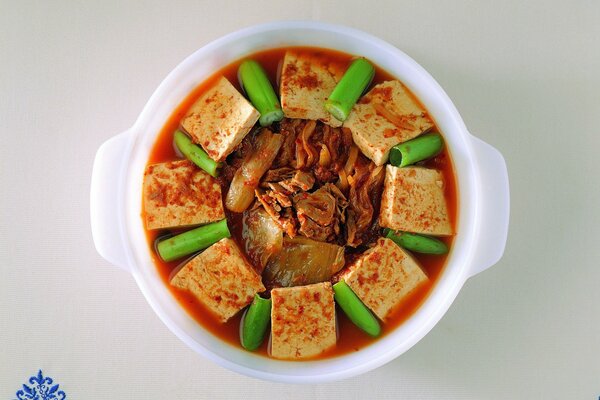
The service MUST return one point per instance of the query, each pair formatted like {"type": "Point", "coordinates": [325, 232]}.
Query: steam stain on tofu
{"type": "Point", "coordinates": [220, 278]}
{"type": "Point", "coordinates": [413, 201]}
{"type": "Point", "coordinates": [384, 117]}
{"type": "Point", "coordinates": [220, 119]}
{"type": "Point", "coordinates": [177, 194]}
{"type": "Point", "coordinates": [307, 80]}
{"type": "Point", "coordinates": [302, 321]}
{"type": "Point", "coordinates": [383, 276]}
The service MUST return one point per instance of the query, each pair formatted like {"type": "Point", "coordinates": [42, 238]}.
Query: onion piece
{"type": "Point", "coordinates": [351, 161]}
{"type": "Point", "coordinates": [342, 182]}
{"type": "Point", "coordinates": [401, 121]}
{"type": "Point", "coordinates": [247, 177]}
{"type": "Point", "coordinates": [307, 132]}
{"type": "Point", "coordinates": [324, 156]}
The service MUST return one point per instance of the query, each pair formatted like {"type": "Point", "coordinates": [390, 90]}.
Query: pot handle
{"type": "Point", "coordinates": [493, 214]}
{"type": "Point", "coordinates": [106, 198]}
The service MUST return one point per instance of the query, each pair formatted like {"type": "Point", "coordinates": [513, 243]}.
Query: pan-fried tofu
{"type": "Point", "coordinates": [384, 276]}
{"type": "Point", "coordinates": [220, 119]}
{"type": "Point", "coordinates": [307, 80]}
{"type": "Point", "coordinates": [302, 321]}
{"type": "Point", "coordinates": [384, 117]}
{"type": "Point", "coordinates": [413, 201]}
{"type": "Point", "coordinates": [221, 279]}
{"type": "Point", "coordinates": [177, 193]}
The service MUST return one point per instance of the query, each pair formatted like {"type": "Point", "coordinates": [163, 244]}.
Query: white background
{"type": "Point", "coordinates": [525, 77]}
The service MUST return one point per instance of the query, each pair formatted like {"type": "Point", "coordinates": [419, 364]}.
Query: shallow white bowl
{"type": "Point", "coordinates": [482, 184]}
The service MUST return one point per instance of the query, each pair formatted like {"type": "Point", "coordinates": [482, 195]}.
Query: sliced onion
{"type": "Point", "coordinates": [307, 132]}
{"type": "Point", "coordinates": [324, 156]}
{"type": "Point", "coordinates": [342, 182]}
{"type": "Point", "coordinates": [351, 161]}
{"type": "Point", "coordinates": [247, 177]}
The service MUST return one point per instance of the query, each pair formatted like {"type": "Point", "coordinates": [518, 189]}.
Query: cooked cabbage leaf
{"type": "Point", "coordinates": [303, 261]}
{"type": "Point", "coordinates": [262, 236]}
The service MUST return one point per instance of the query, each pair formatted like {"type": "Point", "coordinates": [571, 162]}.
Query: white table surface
{"type": "Point", "coordinates": [524, 75]}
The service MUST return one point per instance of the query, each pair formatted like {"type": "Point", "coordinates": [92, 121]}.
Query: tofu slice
{"type": "Point", "coordinates": [387, 115]}
{"type": "Point", "coordinates": [178, 193]}
{"type": "Point", "coordinates": [383, 276]}
{"type": "Point", "coordinates": [302, 321]}
{"type": "Point", "coordinates": [220, 119]}
{"type": "Point", "coordinates": [413, 201]}
{"type": "Point", "coordinates": [221, 279]}
{"type": "Point", "coordinates": [307, 80]}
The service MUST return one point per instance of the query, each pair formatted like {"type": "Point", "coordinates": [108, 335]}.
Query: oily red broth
{"type": "Point", "coordinates": [350, 337]}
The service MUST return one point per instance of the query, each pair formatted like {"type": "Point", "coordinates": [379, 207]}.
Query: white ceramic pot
{"type": "Point", "coordinates": [482, 183]}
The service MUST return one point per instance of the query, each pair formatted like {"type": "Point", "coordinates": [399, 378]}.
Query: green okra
{"type": "Point", "coordinates": [356, 79]}
{"type": "Point", "coordinates": [358, 313]}
{"type": "Point", "coordinates": [417, 149]}
{"type": "Point", "coordinates": [192, 241]}
{"type": "Point", "coordinates": [255, 323]}
{"type": "Point", "coordinates": [417, 243]}
{"type": "Point", "coordinates": [195, 154]}
{"type": "Point", "coordinates": [257, 86]}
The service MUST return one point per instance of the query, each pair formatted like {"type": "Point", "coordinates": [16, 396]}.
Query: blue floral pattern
{"type": "Point", "coordinates": [40, 388]}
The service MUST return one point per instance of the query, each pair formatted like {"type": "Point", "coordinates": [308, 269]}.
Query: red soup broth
{"type": "Point", "coordinates": [350, 338]}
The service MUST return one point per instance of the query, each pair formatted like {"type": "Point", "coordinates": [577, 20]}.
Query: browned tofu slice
{"type": "Point", "coordinates": [221, 279]}
{"type": "Point", "coordinates": [220, 119]}
{"type": "Point", "coordinates": [177, 193]}
{"type": "Point", "coordinates": [413, 201]}
{"type": "Point", "coordinates": [302, 321]}
{"type": "Point", "coordinates": [384, 117]}
{"type": "Point", "coordinates": [307, 80]}
{"type": "Point", "coordinates": [384, 276]}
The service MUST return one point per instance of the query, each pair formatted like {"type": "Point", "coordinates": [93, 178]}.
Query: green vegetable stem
{"type": "Point", "coordinates": [354, 82]}
{"type": "Point", "coordinates": [417, 149]}
{"type": "Point", "coordinates": [418, 243]}
{"type": "Point", "coordinates": [192, 241]}
{"type": "Point", "coordinates": [255, 323]}
{"type": "Point", "coordinates": [358, 313]}
{"type": "Point", "coordinates": [195, 154]}
{"type": "Point", "coordinates": [258, 88]}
